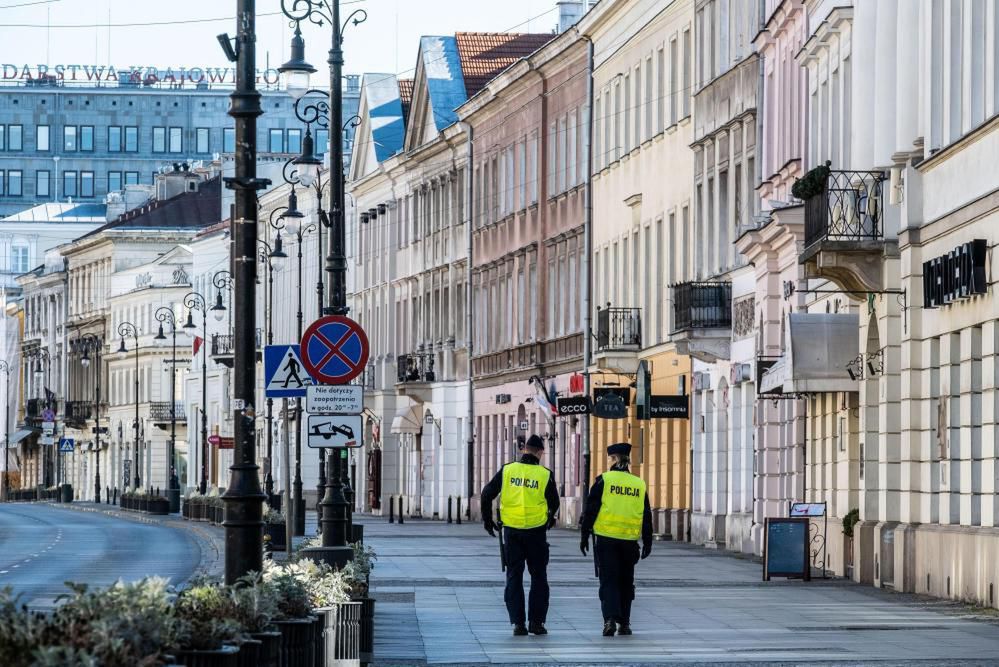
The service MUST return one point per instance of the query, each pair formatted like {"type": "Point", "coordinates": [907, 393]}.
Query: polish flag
{"type": "Point", "coordinates": [198, 340]}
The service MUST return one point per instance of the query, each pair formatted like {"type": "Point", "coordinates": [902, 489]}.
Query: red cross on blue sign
{"type": "Point", "coordinates": [334, 349]}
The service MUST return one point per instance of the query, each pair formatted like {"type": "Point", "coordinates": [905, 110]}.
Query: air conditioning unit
{"type": "Point", "coordinates": [739, 373]}
{"type": "Point", "coordinates": [702, 381]}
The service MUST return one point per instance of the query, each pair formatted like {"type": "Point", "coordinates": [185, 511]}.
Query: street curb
{"type": "Point", "coordinates": [210, 561]}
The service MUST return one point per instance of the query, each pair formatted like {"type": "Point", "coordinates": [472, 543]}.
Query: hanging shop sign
{"type": "Point", "coordinates": [573, 405]}
{"type": "Point", "coordinates": [643, 390]}
{"type": "Point", "coordinates": [611, 402]}
{"type": "Point", "coordinates": [960, 274]}
{"type": "Point", "coordinates": [669, 407]}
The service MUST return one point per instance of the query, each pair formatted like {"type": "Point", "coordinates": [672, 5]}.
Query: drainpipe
{"type": "Point", "coordinates": [470, 429]}
{"type": "Point", "coordinates": [587, 268]}
{"type": "Point", "coordinates": [760, 79]}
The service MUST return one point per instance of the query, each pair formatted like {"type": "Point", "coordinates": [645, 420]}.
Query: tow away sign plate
{"type": "Point", "coordinates": [335, 431]}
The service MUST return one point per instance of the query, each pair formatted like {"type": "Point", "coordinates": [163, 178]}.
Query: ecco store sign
{"type": "Point", "coordinates": [960, 274]}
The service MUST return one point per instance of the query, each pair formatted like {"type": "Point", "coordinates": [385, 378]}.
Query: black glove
{"type": "Point", "coordinates": [489, 526]}
{"type": "Point", "coordinates": [646, 550]}
{"type": "Point", "coordinates": [584, 544]}
{"type": "Point", "coordinates": [551, 523]}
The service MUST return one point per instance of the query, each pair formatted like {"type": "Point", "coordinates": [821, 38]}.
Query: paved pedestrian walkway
{"type": "Point", "coordinates": [439, 594]}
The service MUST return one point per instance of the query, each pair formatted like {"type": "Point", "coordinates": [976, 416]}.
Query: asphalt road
{"type": "Point", "coordinates": [42, 546]}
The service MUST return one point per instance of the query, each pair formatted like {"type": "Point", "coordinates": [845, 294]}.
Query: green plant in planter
{"type": "Point", "coordinates": [850, 520]}
{"type": "Point", "coordinates": [208, 617]}
{"type": "Point", "coordinates": [290, 593]}
{"type": "Point", "coordinates": [20, 630]}
{"type": "Point", "coordinates": [254, 604]}
{"type": "Point", "coordinates": [812, 183]}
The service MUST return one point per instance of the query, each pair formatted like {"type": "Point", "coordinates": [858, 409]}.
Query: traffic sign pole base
{"type": "Point", "coordinates": [335, 557]}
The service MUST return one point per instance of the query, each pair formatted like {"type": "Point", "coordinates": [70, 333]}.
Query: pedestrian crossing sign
{"type": "Point", "coordinates": [66, 444]}
{"type": "Point", "coordinates": [284, 373]}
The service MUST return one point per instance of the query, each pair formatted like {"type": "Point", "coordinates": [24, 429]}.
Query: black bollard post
{"type": "Point", "coordinates": [391, 509]}
{"type": "Point", "coordinates": [115, 495]}
{"type": "Point", "coordinates": [449, 520]}
{"type": "Point", "coordinates": [459, 511]}
{"type": "Point", "coordinates": [401, 512]}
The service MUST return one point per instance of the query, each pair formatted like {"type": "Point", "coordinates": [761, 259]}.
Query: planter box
{"type": "Point", "coordinates": [367, 643]}
{"type": "Point", "coordinates": [249, 653]}
{"type": "Point", "coordinates": [227, 656]}
{"type": "Point", "coordinates": [297, 642]}
{"type": "Point", "coordinates": [67, 493]}
{"type": "Point", "coordinates": [270, 648]}
{"type": "Point", "coordinates": [159, 507]}
{"type": "Point", "coordinates": [276, 531]}
{"type": "Point", "coordinates": [342, 635]}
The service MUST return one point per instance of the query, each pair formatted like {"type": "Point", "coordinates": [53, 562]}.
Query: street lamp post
{"type": "Point", "coordinates": [88, 342]}
{"type": "Point", "coordinates": [165, 314]}
{"type": "Point", "coordinates": [127, 329]}
{"type": "Point", "coordinates": [335, 514]}
{"type": "Point", "coordinates": [5, 368]}
{"type": "Point", "coordinates": [41, 357]}
{"type": "Point", "coordinates": [273, 263]}
{"type": "Point", "coordinates": [289, 218]}
{"type": "Point", "coordinates": [195, 301]}
{"type": "Point", "coordinates": [244, 497]}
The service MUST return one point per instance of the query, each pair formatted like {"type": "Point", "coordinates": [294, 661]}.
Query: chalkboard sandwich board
{"type": "Point", "coordinates": [785, 548]}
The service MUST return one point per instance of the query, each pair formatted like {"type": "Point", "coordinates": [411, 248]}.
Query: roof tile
{"type": "Point", "coordinates": [485, 54]}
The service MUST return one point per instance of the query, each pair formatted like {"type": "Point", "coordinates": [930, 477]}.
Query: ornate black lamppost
{"type": "Point", "coordinates": [5, 368]}
{"type": "Point", "coordinates": [87, 343]}
{"type": "Point", "coordinates": [165, 314]}
{"type": "Point", "coordinates": [273, 262]}
{"type": "Point", "coordinates": [40, 371]}
{"type": "Point", "coordinates": [127, 329]}
{"type": "Point", "coordinates": [195, 301]}
{"type": "Point", "coordinates": [335, 510]}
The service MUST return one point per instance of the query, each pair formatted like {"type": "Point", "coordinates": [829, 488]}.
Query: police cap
{"type": "Point", "coordinates": [535, 442]}
{"type": "Point", "coordinates": [622, 448]}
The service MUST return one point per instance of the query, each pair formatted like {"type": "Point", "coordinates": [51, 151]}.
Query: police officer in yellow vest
{"type": "Point", "coordinates": [618, 512]}
{"type": "Point", "coordinates": [528, 505]}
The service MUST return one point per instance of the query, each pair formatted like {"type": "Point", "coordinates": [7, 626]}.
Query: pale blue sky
{"type": "Point", "coordinates": [387, 42]}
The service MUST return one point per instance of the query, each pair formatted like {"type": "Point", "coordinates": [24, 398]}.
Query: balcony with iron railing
{"type": "Point", "coordinates": [702, 319]}
{"type": "Point", "coordinates": [78, 412]}
{"type": "Point", "coordinates": [845, 239]}
{"type": "Point", "coordinates": [159, 412]}
{"type": "Point", "coordinates": [224, 347]}
{"type": "Point", "coordinates": [415, 374]}
{"type": "Point", "coordinates": [618, 339]}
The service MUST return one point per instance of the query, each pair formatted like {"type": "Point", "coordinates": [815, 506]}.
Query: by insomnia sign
{"type": "Point", "coordinates": [960, 274]}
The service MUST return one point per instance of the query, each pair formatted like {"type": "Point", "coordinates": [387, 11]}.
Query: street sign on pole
{"type": "Point", "coordinates": [334, 349]}
{"type": "Point", "coordinates": [285, 375]}
{"type": "Point", "coordinates": [335, 431]}
{"type": "Point", "coordinates": [66, 444]}
{"type": "Point", "coordinates": [48, 427]}
{"type": "Point", "coordinates": [334, 399]}
{"type": "Point", "coordinates": [47, 439]}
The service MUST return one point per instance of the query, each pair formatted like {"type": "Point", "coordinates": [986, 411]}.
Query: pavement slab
{"type": "Point", "coordinates": [439, 593]}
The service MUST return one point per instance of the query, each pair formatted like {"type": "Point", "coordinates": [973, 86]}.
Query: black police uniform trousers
{"type": "Point", "coordinates": [528, 547]}
{"type": "Point", "coordinates": [616, 560]}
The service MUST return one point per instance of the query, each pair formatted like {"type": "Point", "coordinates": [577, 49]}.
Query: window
{"type": "Point", "coordinates": [69, 183]}
{"type": "Point", "coordinates": [86, 184]}
{"type": "Point", "coordinates": [14, 185]}
{"type": "Point", "coordinates": [685, 87]}
{"type": "Point", "coordinates": [176, 140]}
{"type": "Point", "coordinates": [532, 167]}
{"type": "Point", "coordinates": [561, 144]}
{"type": "Point", "coordinates": [674, 84]}
{"type": "Point", "coordinates": [3, 135]}
{"type": "Point", "coordinates": [69, 142]}
{"type": "Point", "coordinates": [625, 112]}
{"type": "Point", "coordinates": [570, 158]}
{"type": "Point", "coordinates": [114, 181]}
{"type": "Point", "coordinates": [14, 138]}
{"type": "Point", "coordinates": [3, 179]}
{"type": "Point", "coordinates": [131, 140]}
{"type": "Point", "coordinates": [522, 180]}
{"type": "Point", "coordinates": [597, 143]}
{"type": "Point", "coordinates": [295, 141]}
{"type": "Point", "coordinates": [42, 138]}
{"type": "Point", "coordinates": [87, 138]}
{"type": "Point", "coordinates": [322, 142]}
{"type": "Point", "coordinates": [159, 140]}
{"type": "Point", "coordinates": [650, 99]}
{"type": "Point", "coordinates": [202, 140]}
{"type": "Point", "coordinates": [131, 178]}
{"type": "Point", "coordinates": [114, 139]}
{"type": "Point", "coordinates": [42, 183]}
{"type": "Point", "coordinates": [552, 188]}
{"type": "Point", "coordinates": [228, 140]}
{"type": "Point", "coordinates": [19, 258]}
{"type": "Point", "coordinates": [275, 144]}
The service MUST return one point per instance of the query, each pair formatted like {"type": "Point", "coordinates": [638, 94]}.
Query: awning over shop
{"type": "Point", "coordinates": [821, 346]}
{"type": "Point", "coordinates": [407, 420]}
{"type": "Point", "coordinates": [17, 436]}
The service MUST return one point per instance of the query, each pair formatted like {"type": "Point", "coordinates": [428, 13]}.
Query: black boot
{"type": "Point", "coordinates": [609, 628]}
{"type": "Point", "coordinates": [624, 628]}
{"type": "Point", "coordinates": [519, 630]}
{"type": "Point", "coordinates": [537, 629]}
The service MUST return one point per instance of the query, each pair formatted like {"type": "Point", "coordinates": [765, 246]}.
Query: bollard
{"type": "Point", "coordinates": [115, 495]}
{"type": "Point", "coordinates": [401, 513]}
{"type": "Point", "coordinates": [449, 520]}
{"type": "Point", "coordinates": [459, 511]}
{"type": "Point", "coordinates": [391, 509]}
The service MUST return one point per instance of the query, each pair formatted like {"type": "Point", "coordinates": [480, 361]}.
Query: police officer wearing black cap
{"type": "Point", "coordinates": [528, 505]}
{"type": "Point", "coordinates": [618, 512]}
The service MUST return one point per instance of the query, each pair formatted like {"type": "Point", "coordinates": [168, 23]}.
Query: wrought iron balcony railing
{"type": "Point", "coordinates": [619, 328]}
{"type": "Point", "coordinates": [848, 209]}
{"type": "Point", "coordinates": [366, 379]}
{"type": "Point", "coordinates": [224, 345]}
{"type": "Point", "coordinates": [702, 306]}
{"type": "Point", "coordinates": [33, 408]}
{"type": "Point", "coordinates": [159, 412]}
{"type": "Point", "coordinates": [78, 412]}
{"type": "Point", "coordinates": [415, 367]}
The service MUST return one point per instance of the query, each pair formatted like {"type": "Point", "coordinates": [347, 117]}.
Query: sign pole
{"type": "Point", "coordinates": [289, 512]}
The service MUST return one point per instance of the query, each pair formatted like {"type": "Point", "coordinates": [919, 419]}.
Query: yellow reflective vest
{"type": "Point", "coordinates": [522, 498]}
{"type": "Point", "coordinates": [622, 506]}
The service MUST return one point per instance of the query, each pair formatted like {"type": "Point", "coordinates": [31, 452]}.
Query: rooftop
{"type": "Point", "coordinates": [485, 54]}
{"type": "Point", "coordinates": [188, 210]}
{"type": "Point", "coordinates": [61, 212]}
